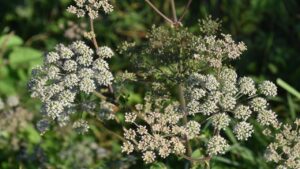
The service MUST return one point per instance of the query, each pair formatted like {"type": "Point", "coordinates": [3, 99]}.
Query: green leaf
{"type": "Point", "coordinates": [291, 106]}
{"type": "Point", "coordinates": [197, 154]}
{"type": "Point", "coordinates": [273, 68]}
{"type": "Point", "coordinates": [231, 136]}
{"type": "Point", "coordinates": [158, 165]}
{"type": "Point", "coordinates": [197, 166]}
{"type": "Point", "coordinates": [226, 160]}
{"type": "Point", "coordinates": [32, 134]}
{"type": "Point", "coordinates": [3, 71]}
{"type": "Point", "coordinates": [288, 88]}
{"type": "Point", "coordinates": [22, 75]}
{"type": "Point", "coordinates": [244, 152]}
{"type": "Point", "coordinates": [6, 87]}
{"type": "Point", "coordinates": [24, 57]}
{"type": "Point", "coordinates": [249, 28]}
{"type": "Point", "coordinates": [134, 98]}
{"type": "Point", "coordinates": [10, 40]}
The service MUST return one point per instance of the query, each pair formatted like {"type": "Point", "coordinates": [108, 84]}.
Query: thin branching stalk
{"type": "Point", "coordinates": [5, 42]}
{"type": "Point", "coordinates": [93, 32]}
{"type": "Point", "coordinates": [94, 40]}
{"type": "Point", "coordinates": [101, 125]}
{"type": "Point", "coordinates": [204, 159]}
{"type": "Point", "coordinates": [99, 95]}
{"type": "Point", "coordinates": [159, 12]}
{"type": "Point", "coordinates": [174, 11]}
{"type": "Point", "coordinates": [185, 10]}
{"type": "Point", "coordinates": [185, 120]}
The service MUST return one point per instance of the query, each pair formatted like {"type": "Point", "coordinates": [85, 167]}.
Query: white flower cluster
{"type": "Point", "coordinates": [68, 72]}
{"type": "Point", "coordinates": [285, 150]}
{"type": "Point", "coordinates": [82, 154]}
{"type": "Point", "coordinates": [243, 130]}
{"type": "Point", "coordinates": [81, 126]}
{"type": "Point", "coordinates": [11, 101]}
{"type": "Point", "coordinates": [214, 51]}
{"type": "Point", "coordinates": [226, 99]}
{"type": "Point", "coordinates": [105, 52]}
{"type": "Point", "coordinates": [107, 110]}
{"type": "Point", "coordinates": [90, 7]}
{"type": "Point", "coordinates": [217, 145]}
{"type": "Point", "coordinates": [162, 135]}
{"type": "Point", "coordinates": [13, 117]}
{"type": "Point", "coordinates": [268, 88]}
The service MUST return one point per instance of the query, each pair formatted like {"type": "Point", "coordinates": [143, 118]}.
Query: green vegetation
{"type": "Point", "coordinates": [30, 28]}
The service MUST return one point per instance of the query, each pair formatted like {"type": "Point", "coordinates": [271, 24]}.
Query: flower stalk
{"type": "Point", "coordinates": [185, 120]}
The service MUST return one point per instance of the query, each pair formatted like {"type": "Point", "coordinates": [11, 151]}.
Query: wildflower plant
{"type": "Point", "coordinates": [156, 131]}
{"type": "Point", "coordinates": [211, 97]}
{"type": "Point", "coordinates": [72, 77]}
{"type": "Point", "coordinates": [193, 94]}
{"type": "Point", "coordinates": [228, 101]}
{"type": "Point", "coordinates": [285, 150]}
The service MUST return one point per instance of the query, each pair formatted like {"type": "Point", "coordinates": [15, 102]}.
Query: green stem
{"type": "Point", "coordinates": [185, 121]}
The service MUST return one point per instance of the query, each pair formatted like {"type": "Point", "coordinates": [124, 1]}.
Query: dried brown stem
{"type": "Point", "coordinates": [185, 10]}
{"type": "Point", "coordinates": [173, 10]}
{"type": "Point", "coordinates": [159, 12]}
{"type": "Point", "coordinates": [93, 31]}
{"type": "Point", "coordinates": [37, 37]}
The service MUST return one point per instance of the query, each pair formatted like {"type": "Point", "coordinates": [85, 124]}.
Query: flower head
{"type": "Point", "coordinates": [67, 72]}
{"type": "Point", "coordinates": [149, 157]}
{"type": "Point", "coordinates": [217, 145]}
{"type": "Point", "coordinates": [90, 7]}
{"type": "Point", "coordinates": [285, 150]}
{"type": "Point", "coordinates": [243, 130]}
{"type": "Point", "coordinates": [268, 88]}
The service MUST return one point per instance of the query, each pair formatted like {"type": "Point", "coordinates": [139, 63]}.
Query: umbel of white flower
{"type": "Point", "coordinates": [161, 135]}
{"type": "Point", "coordinates": [223, 100]}
{"type": "Point", "coordinates": [226, 100]}
{"type": "Point", "coordinates": [90, 7]}
{"type": "Point", "coordinates": [11, 101]}
{"type": "Point", "coordinates": [285, 150]}
{"type": "Point", "coordinates": [67, 72]}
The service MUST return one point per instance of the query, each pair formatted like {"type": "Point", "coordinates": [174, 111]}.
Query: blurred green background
{"type": "Point", "coordinates": [28, 28]}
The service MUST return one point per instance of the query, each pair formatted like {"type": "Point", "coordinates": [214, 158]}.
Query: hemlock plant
{"type": "Point", "coordinates": [193, 94]}
{"type": "Point", "coordinates": [71, 74]}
